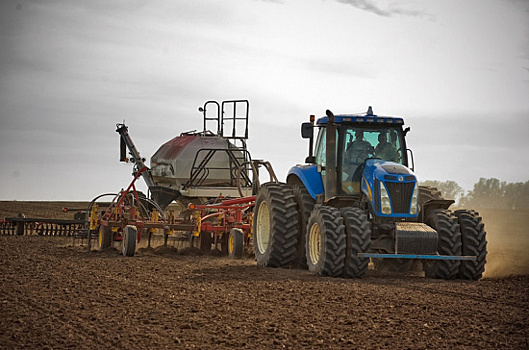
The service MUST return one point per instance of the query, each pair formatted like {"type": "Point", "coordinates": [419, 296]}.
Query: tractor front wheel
{"type": "Point", "coordinates": [448, 243]}
{"type": "Point", "coordinates": [358, 240]}
{"type": "Point", "coordinates": [325, 242]}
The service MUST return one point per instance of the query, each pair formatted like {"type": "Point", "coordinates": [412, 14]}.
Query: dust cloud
{"type": "Point", "coordinates": [508, 242]}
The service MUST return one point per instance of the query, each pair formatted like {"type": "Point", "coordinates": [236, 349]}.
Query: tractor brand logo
{"type": "Point", "coordinates": [401, 178]}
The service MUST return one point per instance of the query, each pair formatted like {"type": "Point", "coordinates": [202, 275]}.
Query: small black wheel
{"type": "Point", "coordinates": [358, 240]}
{"type": "Point", "coordinates": [473, 237]}
{"type": "Point", "coordinates": [305, 204]}
{"type": "Point", "coordinates": [130, 239]}
{"type": "Point", "coordinates": [205, 241]}
{"type": "Point", "coordinates": [275, 226]}
{"type": "Point", "coordinates": [236, 243]}
{"type": "Point", "coordinates": [448, 243]}
{"type": "Point", "coordinates": [326, 242]}
{"type": "Point", "coordinates": [104, 240]}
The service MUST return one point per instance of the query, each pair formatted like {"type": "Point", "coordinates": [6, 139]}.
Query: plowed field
{"type": "Point", "coordinates": [57, 295]}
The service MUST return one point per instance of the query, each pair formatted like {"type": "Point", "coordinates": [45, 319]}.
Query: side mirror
{"type": "Point", "coordinates": [407, 130]}
{"type": "Point", "coordinates": [307, 130]}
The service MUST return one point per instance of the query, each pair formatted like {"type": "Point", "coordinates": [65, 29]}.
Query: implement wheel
{"type": "Point", "coordinates": [275, 226]}
{"type": "Point", "coordinates": [326, 242]}
{"type": "Point", "coordinates": [358, 240]}
{"type": "Point", "coordinates": [205, 241]}
{"type": "Point", "coordinates": [235, 243]}
{"type": "Point", "coordinates": [130, 239]}
{"type": "Point", "coordinates": [473, 237]}
{"type": "Point", "coordinates": [448, 243]}
{"type": "Point", "coordinates": [104, 240]}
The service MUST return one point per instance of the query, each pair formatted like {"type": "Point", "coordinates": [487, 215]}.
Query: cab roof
{"type": "Point", "coordinates": [365, 119]}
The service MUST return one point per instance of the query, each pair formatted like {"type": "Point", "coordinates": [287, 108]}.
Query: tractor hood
{"type": "Point", "coordinates": [391, 188]}
{"type": "Point", "coordinates": [377, 168]}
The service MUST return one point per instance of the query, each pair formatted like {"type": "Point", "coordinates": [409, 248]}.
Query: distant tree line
{"type": "Point", "coordinates": [487, 193]}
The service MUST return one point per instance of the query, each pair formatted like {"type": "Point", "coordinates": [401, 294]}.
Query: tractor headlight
{"type": "Point", "coordinates": [385, 203]}
{"type": "Point", "coordinates": [414, 200]}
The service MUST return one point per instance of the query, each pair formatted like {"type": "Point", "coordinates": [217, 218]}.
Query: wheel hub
{"type": "Point", "coordinates": [263, 228]}
{"type": "Point", "coordinates": [315, 243]}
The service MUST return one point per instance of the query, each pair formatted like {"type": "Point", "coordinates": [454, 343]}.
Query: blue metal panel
{"type": "Point", "coordinates": [415, 256]}
{"type": "Point", "coordinates": [310, 177]}
{"type": "Point", "coordinates": [373, 170]}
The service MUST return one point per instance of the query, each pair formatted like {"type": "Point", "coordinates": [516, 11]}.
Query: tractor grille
{"type": "Point", "coordinates": [400, 195]}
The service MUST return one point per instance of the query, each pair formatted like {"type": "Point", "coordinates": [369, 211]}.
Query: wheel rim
{"type": "Point", "coordinates": [315, 243]}
{"type": "Point", "coordinates": [124, 242]}
{"type": "Point", "coordinates": [100, 236]}
{"type": "Point", "coordinates": [263, 228]}
{"type": "Point", "coordinates": [230, 244]}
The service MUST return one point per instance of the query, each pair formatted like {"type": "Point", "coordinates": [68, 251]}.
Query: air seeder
{"type": "Point", "coordinates": [352, 203]}
{"type": "Point", "coordinates": [209, 177]}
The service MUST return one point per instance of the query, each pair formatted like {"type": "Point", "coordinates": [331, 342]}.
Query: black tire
{"type": "Point", "coordinates": [223, 246]}
{"type": "Point", "coordinates": [204, 241]}
{"type": "Point", "coordinates": [305, 204]}
{"type": "Point", "coordinates": [358, 240]}
{"type": "Point", "coordinates": [326, 242]}
{"type": "Point", "coordinates": [427, 193]}
{"type": "Point", "coordinates": [104, 239]}
{"type": "Point", "coordinates": [235, 243]}
{"type": "Point", "coordinates": [275, 226]}
{"type": "Point", "coordinates": [448, 243]}
{"type": "Point", "coordinates": [130, 240]}
{"type": "Point", "coordinates": [473, 237]}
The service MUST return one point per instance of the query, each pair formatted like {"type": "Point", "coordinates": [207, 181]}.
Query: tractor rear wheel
{"type": "Point", "coordinates": [130, 239]}
{"type": "Point", "coordinates": [305, 204]}
{"type": "Point", "coordinates": [275, 226]}
{"type": "Point", "coordinates": [326, 242]}
{"type": "Point", "coordinates": [235, 243]}
{"type": "Point", "coordinates": [473, 237]}
{"type": "Point", "coordinates": [358, 240]}
{"type": "Point", "coordinates": [104, 239]}
{"type": "Point", "coordinates": [448, 243]}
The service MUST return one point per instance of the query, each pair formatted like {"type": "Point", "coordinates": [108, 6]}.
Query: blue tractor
{"type": "Point", "coordinates": [358, 200]}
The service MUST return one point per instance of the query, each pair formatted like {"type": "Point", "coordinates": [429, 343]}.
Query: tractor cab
{"type": "Point", "coordinates": [366, 157]}
{"type": "Point", "coordinates": [379, 138]}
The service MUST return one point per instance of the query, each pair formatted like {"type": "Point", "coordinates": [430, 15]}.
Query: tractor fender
{"type": "Point", "coordinates": [309, 176]}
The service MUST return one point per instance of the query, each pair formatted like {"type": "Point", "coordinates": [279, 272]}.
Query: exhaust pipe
{"type": "Point", "coordinates": [330, 163]}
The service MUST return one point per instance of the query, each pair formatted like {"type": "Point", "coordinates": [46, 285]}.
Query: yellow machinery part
{"type": "Point", "coordinates": [93, 217]}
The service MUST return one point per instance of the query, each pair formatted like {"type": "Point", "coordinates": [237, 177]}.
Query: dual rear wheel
{"type": "Point", "coordinates": [334, 240]}
{"type": "Point", "coordinates": [330, 239]}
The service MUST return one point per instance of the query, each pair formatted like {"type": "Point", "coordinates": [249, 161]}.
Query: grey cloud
{"type": "Point", "coordinates": [371, 6]}
{"type": "Point", "coordinates": [339, 68]}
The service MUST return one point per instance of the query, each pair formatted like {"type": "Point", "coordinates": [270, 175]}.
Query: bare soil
{"type": "Point", "coordinates": [57, 295]}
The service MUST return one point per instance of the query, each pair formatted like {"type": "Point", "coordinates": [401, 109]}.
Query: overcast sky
{"type": "Point", "coordinates": [457, 71]}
